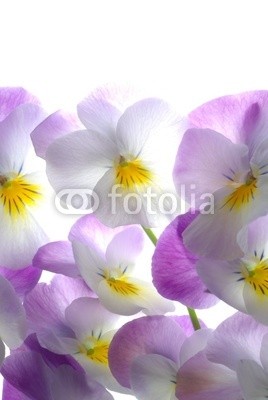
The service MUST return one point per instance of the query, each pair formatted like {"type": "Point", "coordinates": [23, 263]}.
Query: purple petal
{"type": "Point", "coordinates": [12, 97]}
{"type": "Point", "coordinates": [56, 257]}
{"type": "Point", "coordinates": [204, 163]}
{"type": "Point", "coordinates": [238, 334]}
{"type": "Point", "coordinates": [98, 113]}
{"type": "Point", "coordinates": [186, 324]}
{"type": "Point", "coordinates": [125, 246]}
{"type": "Point", "coordinates": [55, 125]}
{"type": "Point", "coordinates": [11, 393]}
{"type": "Point", "coordinates": [23, 280]}
{"type": "Point", "coordinates": [147, 335]}
{"type": "Point", "coordinates": [51, 359]}
{"type": "Point", "coordinates": [91, 232]}
{"type": "Point", "coordinates": [174, 268]}
{"type": "Point", "coordinates": [233, 116]}
{"type": "Point", "coordinates": [27, 372]}
{"type": "Point", "coordinates": [200, 379]}
{"type": "Point", "coordinates": [45, 305]}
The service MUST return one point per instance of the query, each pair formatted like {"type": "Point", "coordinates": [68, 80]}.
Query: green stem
{"type": "Point", "coordinates": [194, 318]}
{"type": "Point", "coordinates": [191, 311]}
{"type": "Point", "coordinates": [150, 235]}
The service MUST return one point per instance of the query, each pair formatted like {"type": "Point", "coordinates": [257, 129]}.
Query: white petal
{"type": "Point", "coordinates": [143, 120]}
{"type": "Point", "coordinates": [223, 279]}
{"type": "Point", "coordinates": [90, 263]}
{"type": "Point", "coordinates": [154, 377]}
{"type": "Point", "coordinates": [85, 315]}
{"type": "Point", "coordinates": [118, 208]}
{"type": "Point", "coordinates": [194, 343]}
{"type": "Point", "coordinates": [256, 304]}
{"type": "Point", "coordinates": [12, 316]}
{"type": "Point", "coordinates": [79, 160]}
{"type": "Point", "coordinates": [19, 240]}
{"type": "Point", "coordinates": [253, 380]}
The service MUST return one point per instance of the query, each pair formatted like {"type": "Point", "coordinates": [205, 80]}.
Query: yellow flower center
{"type": "Point", "coordinates": [242, 195]}
{"type": "Point", "coordinates": [132, 174]}
{"type": "Point", "coordinates": [123, 287]}
{"type": "Point", "coordinates": [17, 194]}
{"type": "Point", "coordinates": [257, 277]}
{"type": "Point", "coordinates": [96, 350]}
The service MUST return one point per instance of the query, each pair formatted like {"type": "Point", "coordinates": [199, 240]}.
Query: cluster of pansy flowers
{"type": "Point", "coordinates": [69, 339]}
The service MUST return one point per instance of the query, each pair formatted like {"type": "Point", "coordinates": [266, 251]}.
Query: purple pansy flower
{"type": "Point", "coordinates": [29, 376]}
{"type": "Point", "coordinates": [153, 357]}
{"type": "Point", "coordinates": [68, 320]}
{"type": "Point", "coordinates": [225, 155]}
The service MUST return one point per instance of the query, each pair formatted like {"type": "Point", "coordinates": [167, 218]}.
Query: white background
{"type": "Point", "coordinates": [185, 51]}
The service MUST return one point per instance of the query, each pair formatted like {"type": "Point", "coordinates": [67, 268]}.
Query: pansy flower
{"type": "Point", "coordinates": [117, 156]}
{"type": "Point", "coordinates": [226, 156]}
{"type": "Point", "coordinates": [69, 321]}
{"type": "Point", "coordinates": [153, 357]}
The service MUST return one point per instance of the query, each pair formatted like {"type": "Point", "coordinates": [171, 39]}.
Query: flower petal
{"type": "Point", "coordinates": [23, 280]}
{"type": "Point", "coordinates": [238, 334]}
{"type": "Point", "coordinates": [153, 377]}
{"type": "Point", "coordinates": [143, 120]}
{"type": "Point", "coordinates": [12, 316]}
{"type": "Point", "coordinates": [90, 231]}
{"type": "Point", "coordinates": [15, 137]}
{"type": "Point", "coordinates": [27, 372]}
{"type": "Point", "coordinates": [147, 335]}
{"type": "Point", "coordinates": [230, 115]}
{"type": "Point", "coordinates": [56, 257]}
{"type": "Point", "coordinates": [118, 208]}
{"type": "Point", "coordinates": [224, 280]}
{"type": "Point", "coordinates": [174, 268]}
{"type": "Point", "coordinates": [70, 384]}
{"type": "Point", "coordinates": [256, 304]}
{"type": "Point", "coordinates": [99, 319]}
{"type": "Point", "coordinates": [253, 380]}
{"type": "Point", "coordinates": [98, 114]}
{"type": "Point", "coordinates": [55, 125]}
{"type": "Point", "coordinates": [194, 344]}
{"type": "Point", "coordinates": [204, 162]}
{"type": "Point", "coordinates": [13, 97]}
{"type": "Point", "coordinates": [78, 160]}
{"type": "Point", "coordinates": [2, 352]}
{"type": "Point", "coordinates": [19, 240]}
{"type": "Point", "coordinates": [125, 247]}
{"type": "Point", "coordinates": [200, 379]}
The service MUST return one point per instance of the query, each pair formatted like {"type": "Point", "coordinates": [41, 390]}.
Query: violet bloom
{"type": "Point", "coordinates": [243, 282]}
{"type": "Point", "coordinates": [174, 268]}
{"type": "Point", "coordinates": [225, 154]}
{"type": "Point", "coordinates": [30, 377]}
{"type": "Point", "coordinates": [117, 155]}
{"type": "Point", "coordinates": [69, 321]}
{"type": "Point", "coordinates": [20, 188]}
{"type": "Point", "coordinates": [153, 357]}
{"type": "Point", "coordinates": [240, 343]}
{"type": "Point", "coordinates": [108, 261]}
